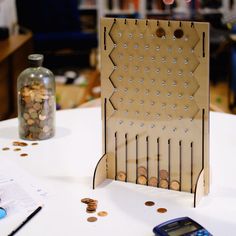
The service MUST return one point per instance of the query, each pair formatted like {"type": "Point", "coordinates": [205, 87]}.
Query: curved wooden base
{"type": "Point", "coordinates": [199, 189]}
{"type": "Point", "coordinates": [100, 172]}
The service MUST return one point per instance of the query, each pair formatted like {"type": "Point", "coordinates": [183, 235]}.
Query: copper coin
{"type": "Point", "coordinates": [23, 155]}
{"type": "Point", "coordinates": [21, 144]}
{"type": "Point", "coordinates": [163, 183]}
{"type": "Point", "coordinates": [17, 149]}
{"type": "Point", "coordinates": [102, 213]}
{"type": "Point", "coordinates": [92, 219]}
{"type": "Point", "coordinates": [164, 174]}
{"type": "Point", "coordinates": [90, 211]}
{"type": "Point", "coordinates": [142, 171]}
{"type": "Point", "coordinates": [5, 148]}
{"type": "Point", "coordinates": [142, 180]}
{"type": "Point", "coordinates": [121, 176]}
{"type": "Point", "coordinates": [175, 185]}
{"type": "Point", "coordinates": [179, 33]}
{"type": "Point", "coordinates": [86, 200]}
{"type": "Point", "coordinates": [34, 144]}
{"type": "Point", "coordinates": [162, 210]}
{"type": "Point", "coordinates": [149, 203]}
{"type": "Point", "coordinates": [160, 32]}
{"type": "Point", "coordinates": [153, 182]}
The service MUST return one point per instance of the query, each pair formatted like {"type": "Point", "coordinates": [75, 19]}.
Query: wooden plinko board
{"type": "Point", "coordinates": [155, 102]}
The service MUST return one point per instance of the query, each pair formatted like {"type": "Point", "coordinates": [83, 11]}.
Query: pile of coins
{"type": "Point", "coordinates": [36, 112]}
{"type": "Point", "coordinates": [91, 208]}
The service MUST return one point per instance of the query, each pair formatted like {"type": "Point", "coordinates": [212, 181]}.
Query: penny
{"type": "Point", "coordinates": [23, 155]}
{"type": "Point", "coordinates": [90, 211]}
{"type": "Point", "coordinates": [86, 200]}
{"type": "Point", "coordinates": [164, 174]}
{"type": "Point", "coordinates": [142, 171]}
{"type": "Point", "coordinates": [160, 32]}
{"type": "Point", "coordinates": [5, 148]}
{"type": "Point", "coordinates": [30, 122]}
{"type": "Point", "coordinates": [163, 183]}
{"type": "Point", "coordinates": [179, 33]}
{"type": "Point", "coordinates": [17, 149]}
{"type": "Point", "coordinates": [142, 180]}
{"type": "Point", "coordinates": [175, 185]}
{"type": "Point", "coordinates": [153, 182]}
{"type": "Point", "coordinates": [92, 219]}
{"type": "Point", "coordinates": [162, 210]}
{"type": "Point", "coordinates": [149, 203]}
{"type": "Point", "coordinates": [34, 144]}
{"type": "Point", "coordinates": [26, 116]}
{"type": "Point", "coordinates": [21, 144]}
{"type": "Point", "coordinates": [102, 213]}
{"type": "Point", "coordinates": [121, 176]}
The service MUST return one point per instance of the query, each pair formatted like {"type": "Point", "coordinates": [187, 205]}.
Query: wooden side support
{"type": "Point", "coordinates": [199, 189]}
{"type": "Point", "coordinates": [100, 172]}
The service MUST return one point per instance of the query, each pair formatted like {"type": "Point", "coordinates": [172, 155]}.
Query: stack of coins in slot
{"type": "Point", "coordinates": [164, 182]}
{"type": "Point", "coordinates": [37, 106]}
{"type": "Point", "coordinates": [142, 175]}
{"type": "Point", "coordinates": [91, 204]}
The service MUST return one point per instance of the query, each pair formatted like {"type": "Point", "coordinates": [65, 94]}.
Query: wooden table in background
{"type": "Point", "coordinates": [13, 59]}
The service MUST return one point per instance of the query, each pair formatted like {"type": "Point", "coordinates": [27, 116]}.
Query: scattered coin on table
{"type": "Point", "coordinates": [34, 144]}
{"type": "Point", "coordinates": [24, 155]}
{"type": "Point", "coordinates": [149, 203]}
{"type": "Point", "coordinates": [17, 149]}
{"type": "Point", "coordinates": [92, 219]}
{"type": "Point", "coordinates": [5, 148]}
{"type": "Point", "coordinates": [102, 213]}
{"type": "Point", "coordinates": [162, 210]}
{"type": "Point", "coordinates": [20, 144]}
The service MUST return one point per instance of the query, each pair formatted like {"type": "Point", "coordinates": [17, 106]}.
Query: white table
{"type": "Point", "coordinates": [65, 166]}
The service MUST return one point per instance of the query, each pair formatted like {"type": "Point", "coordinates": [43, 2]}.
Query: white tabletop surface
{"type": "Point", "coordinates": [65, 166]}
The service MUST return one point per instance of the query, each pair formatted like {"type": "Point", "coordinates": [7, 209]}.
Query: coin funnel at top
{"type": "Point", "coordinates": [36, 101]}
{"type": "Point", "coordinates": [155, 104]}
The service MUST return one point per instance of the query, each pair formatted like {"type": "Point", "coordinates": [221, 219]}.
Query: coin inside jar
{"type": "Point", "coordinates": [121, 176]}
{"type": "Point", "coordinates": [160, 32]}
{"type": "Point", "coordinates": [142, 180]}
{"type": "Point", "coordinates": [175, 185]}
{"type": "Point", "coordinates": [179, 33]}
{"type": "Point", "coordinates": [92, 219]}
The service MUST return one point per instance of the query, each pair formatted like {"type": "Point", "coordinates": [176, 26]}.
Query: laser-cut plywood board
{"type": "Point", "coordinates": [155, 100]}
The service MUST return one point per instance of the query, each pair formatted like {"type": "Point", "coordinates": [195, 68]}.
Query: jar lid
{"type": "Point", "coordinates": [35, 60]}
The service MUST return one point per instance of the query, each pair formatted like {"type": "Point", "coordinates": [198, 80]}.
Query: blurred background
{"type": "Point", "coordinates": [66, 32]}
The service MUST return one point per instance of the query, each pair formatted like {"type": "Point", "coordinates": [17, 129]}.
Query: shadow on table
{"type": "Point", "coordinates": [12, 133]}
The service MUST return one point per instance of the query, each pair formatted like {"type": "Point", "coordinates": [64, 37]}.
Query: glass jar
{"type": "Point", "coordinates": [36, 101]}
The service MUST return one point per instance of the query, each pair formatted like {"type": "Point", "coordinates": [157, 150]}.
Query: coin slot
{"type": "Point", "coordinates": [203, 44]}
{"type": "Point", "coordinates": [178, 33]}
{"type": "Point", "coordinates": [191, 167]}
{"type": "Point", "coordinates": [126, 156]}
{"type": "Point", "coordinates": [105, 125]}
{"type": "Point", "coordinates": [169, 163]}
{"type": "Point", "coordinates": [116, 161]}
{"type": "Point", "coordinates": [147, 145]}
{"type": "Point", "coordinates": [158, 161]}
{"type": "Point", "coordinates": [105, 38]}
{"type": "Point", "coordinates": [203, 140]}
{"type": "Point", "coordinates": [180, 165]}
{"type": "Point", "coordinates": [160, 32]}
{"type": "Point", "coordinates": [136, 145]}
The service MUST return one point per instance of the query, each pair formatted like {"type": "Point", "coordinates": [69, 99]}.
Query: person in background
{"type": "Point", "coordinates": [169, 2]}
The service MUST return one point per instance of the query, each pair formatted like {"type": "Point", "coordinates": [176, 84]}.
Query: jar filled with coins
{"type": "Point", "coordinates": [36, 101]}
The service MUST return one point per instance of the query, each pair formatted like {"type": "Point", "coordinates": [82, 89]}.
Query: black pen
{"type": "Point", "coordinates": [25, 221]}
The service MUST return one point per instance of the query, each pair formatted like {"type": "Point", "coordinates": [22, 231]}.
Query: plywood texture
{"type": "Point", "coordinates": [155, 100]}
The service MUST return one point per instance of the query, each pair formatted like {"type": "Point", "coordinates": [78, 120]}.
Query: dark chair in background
{"type": "Point", "coordinates": [56, 31]}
